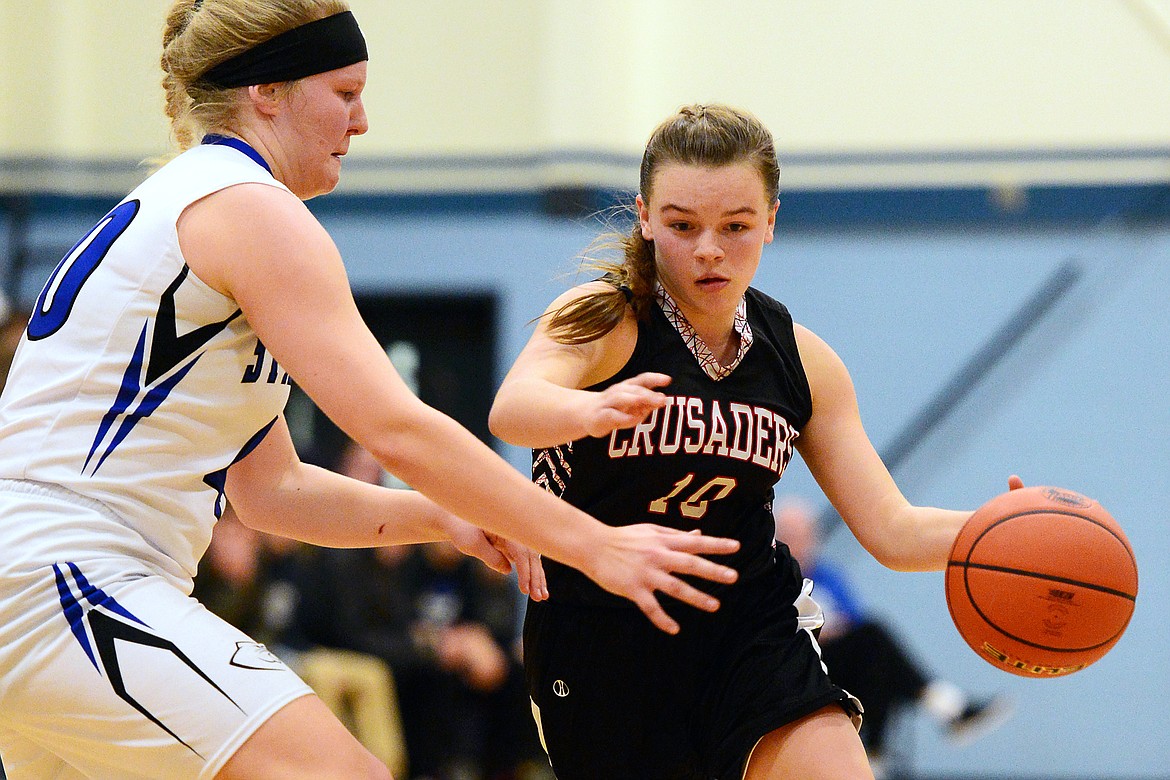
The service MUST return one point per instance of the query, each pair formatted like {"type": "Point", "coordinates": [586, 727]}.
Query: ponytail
{"type": "Point", "coordinates": [630, 283]}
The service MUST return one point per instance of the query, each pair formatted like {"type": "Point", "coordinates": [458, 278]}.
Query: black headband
{"type": "Point", "coordinates": [326, 44]}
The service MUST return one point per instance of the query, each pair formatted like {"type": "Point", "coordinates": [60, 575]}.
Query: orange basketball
{"type": "Point", "coordinates": [1041, 581]}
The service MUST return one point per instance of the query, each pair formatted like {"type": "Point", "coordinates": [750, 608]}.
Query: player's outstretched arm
{"type": "Point", "coordinates": [273, 491]}
{"type": "Point", "coordinates": [264, 249]}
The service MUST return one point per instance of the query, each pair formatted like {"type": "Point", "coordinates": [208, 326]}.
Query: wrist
{"type": "Point", "coordinates": [445, 525]}
{"type": "Point", "coordinates": [582, 543]}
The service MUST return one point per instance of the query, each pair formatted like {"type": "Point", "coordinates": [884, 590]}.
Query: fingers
{"type": "Point", "coordinates": [650, 379]}
{"type": "Point", "coordinates": [523, 574]}
{"type": "Point", "coordinates": [1014, 482]}
{"type": "Point", "coordinates": [632, 402]}
{"type": "Point", "coordinates": [686, 563]}
{"type": "Point", "coordinates": [645, 559]}
{"type": "Point", "coordinates": [494, 559]}
{"type": "Point", "coordinates": [676, 588]}
{"type": "Point", "coordinates": [666, 582]}
{"type": "Point", "coordinates": [689, 594]}
{"type": "Point", "coordinates": [530, 577]}
{"type": "Point", "coordinates": [539, 582]}
{"type": "Point", "coordinates": [653, 610]}
{"type": "Point", "coordinates": [627, 403]}
{"type": "Point", "coordinates": [485, 547]}
{"type": "Point", "coordinates": [695, 543]}
{"type": "Point", "coordinates": [688, 546]}
{"type": "Point", "coordinates": [472, 541]}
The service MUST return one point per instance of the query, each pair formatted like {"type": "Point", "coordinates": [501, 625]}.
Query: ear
{"type": "Point", "coordinates": [644, 218]}
{"type": "Point", "coordinates": [772, 222]}
{"type": "Point", "coordinates": [266, 98]}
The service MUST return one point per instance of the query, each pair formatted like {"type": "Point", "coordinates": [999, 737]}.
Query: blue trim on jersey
{"type": "Point", "coordinates": [98, 597]}
{"type": "Point", "coordinates": [130, 389]}
{"type": "Point", "coordinates": [108, 632]}
{"type": "Point", "coordinates": [126, 395]}
{"type": "Point", "coordinates": [217, 480]}
{"type": "Point", "coordinates": [214, 139]}
{"type": "Point", "coordinates": [153, 400]}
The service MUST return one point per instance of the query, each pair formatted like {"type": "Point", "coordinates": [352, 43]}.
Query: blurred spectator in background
{"type": "Point", "coordinates": [866, 659]}
{"type": "Point", "coordinates": [447, 631]}
{"type": "Point", "coordinates": [447, 626]}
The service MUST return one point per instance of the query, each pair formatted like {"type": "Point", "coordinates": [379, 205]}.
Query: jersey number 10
{"type": "Point", "coordinates": [695, 505]}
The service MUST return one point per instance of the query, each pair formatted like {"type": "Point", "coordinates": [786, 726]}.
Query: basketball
{"type": "Point", "coordinates": [1041, 582]}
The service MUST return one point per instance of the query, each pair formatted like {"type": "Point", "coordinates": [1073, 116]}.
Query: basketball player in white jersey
{"type": "Point", "coordinates": [148, 392]}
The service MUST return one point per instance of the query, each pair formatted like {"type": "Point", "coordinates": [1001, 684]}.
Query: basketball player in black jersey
{"type": "Point", "coordinates": [670, 390]}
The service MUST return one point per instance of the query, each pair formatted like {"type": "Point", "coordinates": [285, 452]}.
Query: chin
{"type": "Point", "coordinates": [318, 188]}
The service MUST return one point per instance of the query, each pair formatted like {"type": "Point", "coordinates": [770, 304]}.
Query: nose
{"type": "Point", "coordinates": [708, 247]}
{"type": "Point", "coordinates": [358, 122]}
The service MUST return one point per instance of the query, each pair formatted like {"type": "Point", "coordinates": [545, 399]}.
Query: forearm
{"type": "Point", "coordinates": [479, 486]}
{"type": "Point", "coordinates": [315, 505]}
{"type": "Point", "coordinates": [919, 538]}
{"type": "Point", "coordinates": [533, 412]}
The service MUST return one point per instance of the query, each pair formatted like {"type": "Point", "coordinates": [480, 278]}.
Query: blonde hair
{"type": "Point", "coordinates": [703, 135]}
{"type": "Point", "coordinates": [200, 34]}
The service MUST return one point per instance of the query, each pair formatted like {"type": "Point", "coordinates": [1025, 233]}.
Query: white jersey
{"type": "Point", "coordinates": [136, 385]}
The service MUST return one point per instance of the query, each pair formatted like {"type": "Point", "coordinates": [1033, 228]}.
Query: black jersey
{"type": "Point", "coordinates": [707, 460]}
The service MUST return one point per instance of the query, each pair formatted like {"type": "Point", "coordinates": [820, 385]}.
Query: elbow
{"type": "Point", "coordinates": [900, 563]}
{"type": "Point", "coordinates": [501, 424]}
{"type": "Point", "coordinates": [252, 516]}
{"type": "Point", "coordinates": [496, 422]}
{"type": "Point", "coordinates": [886, 554]}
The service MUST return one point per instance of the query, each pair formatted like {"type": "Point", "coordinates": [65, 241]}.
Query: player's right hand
{"type": "Point", "coordinates": [637, 561]}
{"type": "Point", "coordinates": [625, 404]}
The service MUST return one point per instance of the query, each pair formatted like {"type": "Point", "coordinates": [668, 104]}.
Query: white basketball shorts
{"type": "Point", "coordinates": [109, 670]}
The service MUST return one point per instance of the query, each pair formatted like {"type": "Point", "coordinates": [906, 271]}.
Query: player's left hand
{"type": "Point", "coordinates": [470, 540]}
{"type": "Point", "coordinates": [502, 555]}
{"type": "Point", "coordinates": [529, 570]}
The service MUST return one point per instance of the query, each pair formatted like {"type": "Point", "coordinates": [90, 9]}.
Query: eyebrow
{"type": "Point", "coordinates": [729, 213]}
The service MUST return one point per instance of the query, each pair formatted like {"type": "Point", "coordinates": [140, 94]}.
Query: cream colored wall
{"type": "Point", "coordinates": [507, 94]}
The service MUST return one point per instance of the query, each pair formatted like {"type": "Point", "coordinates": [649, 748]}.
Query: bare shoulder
{"type": "Point", "coordinates": [812, 347]}
{"type": "Point", "coordinates": [250, 226]}
{"type": "Point", "coordinates": [824, 368]}
{"type": "Point", "coordinates": [582, 365]}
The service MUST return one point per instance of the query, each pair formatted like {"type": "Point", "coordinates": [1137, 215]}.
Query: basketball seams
{"type": "Point", "coordinates": [1061, 512]}
{"type": "Point", "coordinates": [1040, 576]}
{"type": "Point", "coordinates": [993, 625]}
{"type": "Point", "coordinates": [1050, 648]}
{"type": "Point", "coordinates": [1064, 512]}
{"type": "Point", "coordinates": [973, 603]}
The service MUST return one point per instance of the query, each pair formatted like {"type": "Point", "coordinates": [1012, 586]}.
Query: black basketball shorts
{"type": "Point", "coordinates": [618, 699]}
